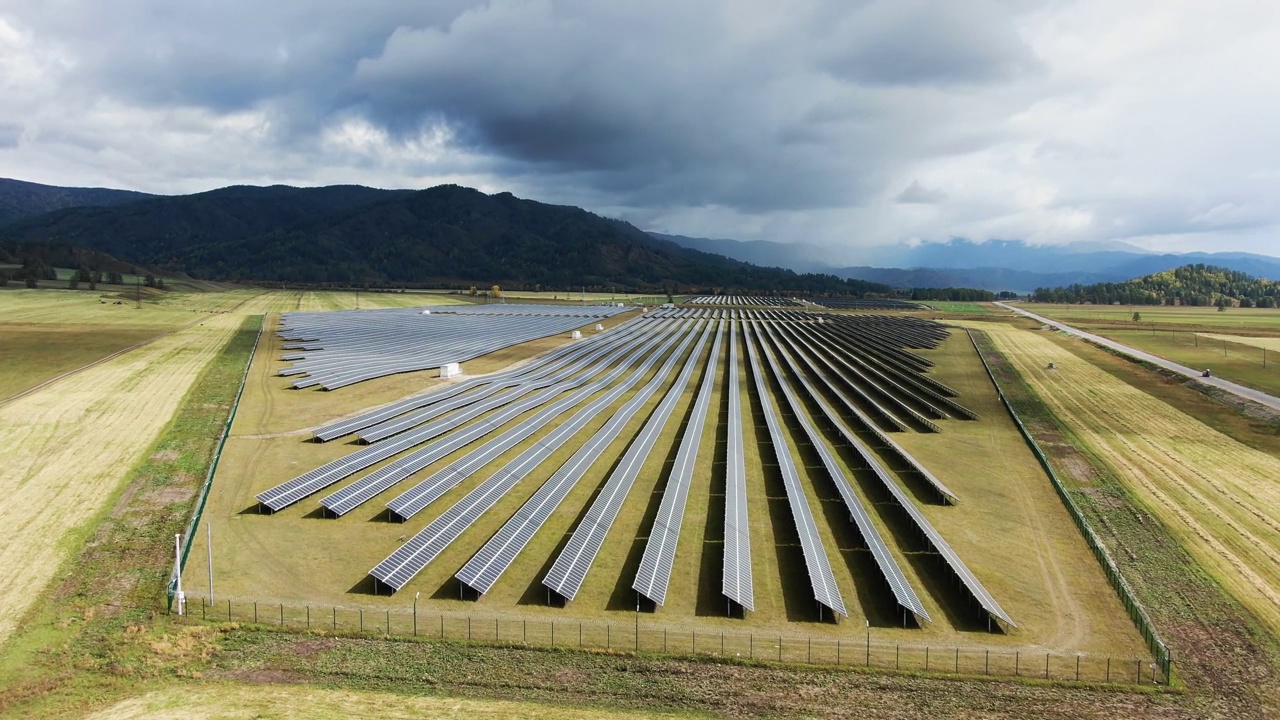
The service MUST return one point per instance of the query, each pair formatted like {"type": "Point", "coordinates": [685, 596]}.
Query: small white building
{"type": "Point", "coordinates": [449, 370]}
{"type": "Point", "coordinates": [576, 335]}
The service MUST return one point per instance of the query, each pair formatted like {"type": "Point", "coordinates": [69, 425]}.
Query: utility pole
{"type": "Point", "coordinates": [177, 572]}
{"type": "Point", "coordinates": [137, 296]}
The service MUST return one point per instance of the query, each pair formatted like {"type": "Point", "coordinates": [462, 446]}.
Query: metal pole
{"type": "Point", "coordinates": [415, 613]}
{"type": "Point", "coordinates": [177, 571]}
{"type": "Point", "coordinates": [208, 541]}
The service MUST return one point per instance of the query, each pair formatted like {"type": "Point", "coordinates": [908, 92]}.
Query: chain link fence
{"type": "Point", "coordinates": [643, 636]}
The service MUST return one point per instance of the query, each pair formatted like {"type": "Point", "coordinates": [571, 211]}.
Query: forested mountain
{"type": "Point", "coordinates": [1197, 284]}
{"type": "Point", "coordinates": [443, 235]}
{"type": "Point", "coordinates": [19, 199]}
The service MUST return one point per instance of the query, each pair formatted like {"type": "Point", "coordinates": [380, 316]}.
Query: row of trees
{"type": "Point", "coordinates": [1196, 285]}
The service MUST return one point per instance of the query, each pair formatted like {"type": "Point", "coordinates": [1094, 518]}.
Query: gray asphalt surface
{"type": "Point", "coordinates": [1257, 396]}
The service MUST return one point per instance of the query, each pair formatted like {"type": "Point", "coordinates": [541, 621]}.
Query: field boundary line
{"type": "Point", "coordinates": [1161, 651]}
{"type": "Point", "coordinates": [203, 497]}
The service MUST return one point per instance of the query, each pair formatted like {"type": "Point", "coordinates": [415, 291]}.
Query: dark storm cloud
{"type": "Point", "coordinates": [877, 120]}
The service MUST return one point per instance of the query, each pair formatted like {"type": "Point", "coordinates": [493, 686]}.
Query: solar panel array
{"type": "Point", "coordinates": [484, 569]}
{"type": "Point", "coordinates": [347, 347]}
{"type": "Point", "coordinates": [821, 578]}
{"type": "Point", "coordinates": [845, 384]}
{"type": "Point", "coordinates": [571, 566]}
{"type": "Point", "coordinates": [659, 557]}
{"type": "Point", "coordinates": [742, 301]}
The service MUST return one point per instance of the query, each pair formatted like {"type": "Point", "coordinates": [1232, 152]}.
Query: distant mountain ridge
{"type": "Point", "coordinates": [443, 235]}
{"type": "Point", "coordinates": [20, 199]}
{"type": "Point", "coordinates": [994, 265]}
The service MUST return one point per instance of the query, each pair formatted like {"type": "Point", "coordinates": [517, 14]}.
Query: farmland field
{"type": "Point", "coordinates": [1057, 593]}
{"type": "Point", "coordinates": [1229, 343]}
{"type": "Point", "coordinates": [1217, 495]}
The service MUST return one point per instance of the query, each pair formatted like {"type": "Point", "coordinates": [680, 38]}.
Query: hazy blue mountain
{"type": "Point", "coordinates": [995, 265]}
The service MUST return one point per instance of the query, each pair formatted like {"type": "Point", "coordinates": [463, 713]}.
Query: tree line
{"type": "Point", "coordinates": [1194, 285]}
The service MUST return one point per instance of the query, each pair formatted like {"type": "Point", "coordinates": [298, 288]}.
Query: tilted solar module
{"type": "Point", "coordinates": [495, 556]}
{"type": "Point", "coordinates": [410, 558]}
{"type": "Point", "coordinates": [373, 484]}
{"type": "Point", "coordinates": [818, 565]}
{"type": "Point", "coordinates": [572, 564]}
{"type": "Point", "coordinates": [654, 575]}
{"type": "Point", "coordinates": [905, 595]}
{"type": "Point", "coordinates": [308, 483]}
{"type": "Point", "coordinates": [737, 582]}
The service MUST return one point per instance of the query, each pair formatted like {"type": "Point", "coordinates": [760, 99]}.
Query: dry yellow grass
{"type": "Point", "coordinates": [1217, 495]}
{"type": "Point", "coordinates": [67, 447]}
{"type": "Point", "coordinates": [224, 700]}
{"type": "Point", "coordinates": [1270, 343]}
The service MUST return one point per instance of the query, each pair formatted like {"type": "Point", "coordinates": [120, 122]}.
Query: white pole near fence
{"type": "Point", "coordinates": [208, 534]}
{"type": "Point", "coordinates": [177, 572]}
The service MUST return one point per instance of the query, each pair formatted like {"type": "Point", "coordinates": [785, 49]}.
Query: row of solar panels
{"type": "Point", "coordinates": [337, 349]}
{"type": "Point", "coordinates": [571, 566]}
{"type": "Point", "coordinates": [741, 301]}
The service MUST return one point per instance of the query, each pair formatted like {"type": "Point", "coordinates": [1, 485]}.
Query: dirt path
{"type": "Point", "coordinates": [1219, 496]}
{"type": "Point", "coordinates": [68, 447]}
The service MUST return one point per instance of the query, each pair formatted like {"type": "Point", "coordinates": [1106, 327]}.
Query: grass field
{"type": "Point", "coordinates": [964, 308]}
{"type": "Point", "coordinates": [1057, 593]}
{"type": "Point", "coordinates": [88, 647]}
{"type": "Point", "coordinates": [223, 700]}
{"type": "Point", "coordinates": [67, 446]}
{"type": "Point", "coordinates": [1201, 318]}
{"type": "Point", "coordinates": [1217, 495]}
{"type": "Point", "coordinates": [1229, 343]}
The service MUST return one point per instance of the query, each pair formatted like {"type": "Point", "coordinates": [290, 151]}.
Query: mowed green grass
{"type": "Point", "coordinates": [948, 306]}
{"type": "Point", "coordinates": [1178, 334]}
{"type": "Point", "coordinates": [296, 557]}
{"type": "Point", "coordinates": [1207, 319]}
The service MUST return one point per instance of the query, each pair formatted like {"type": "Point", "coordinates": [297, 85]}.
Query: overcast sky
{"type": "Point", "coordinates": [842, 123]}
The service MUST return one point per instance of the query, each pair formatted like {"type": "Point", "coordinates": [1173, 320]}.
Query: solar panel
{"type": "Point", "coordinates": [487, 565]}
{"type": "Point", "coordinates": [373, 484]}
{"type": "Point", "coordinates": [406, 562]}
{"type": "Point", "coordinates": [292, 491]}
{"type": "Point", "coordinates": [889, 569]}
{"type": "Point", "coordinates": [737, 582]}
{"type": "Point", "coordinates": [659, 557]}
{"type": "Point", "coordinates": [572, 564]}
{"type": "Point", "coordinates": [821, 578]}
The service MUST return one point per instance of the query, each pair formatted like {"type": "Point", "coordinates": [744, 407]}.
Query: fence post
{"type": "Point", "coordinates": [255, 611]}
{"type": "Point", "coordinates": [335, 618]}
{"type": "Point", "coordinates": [810, 651]}
{"type": "Point", "coordinates": [308, 617]}
{"type": "Point", "coordinates": [926, 658]}
{"type": "Point", "coordinates": [468, 628]}
{"type": "Point", "coordinates": [837, 651]}
{"type": "Point", "coordinates": [1077, 667]}
{"type": "Point", "coordinates": [1046, 666]}
{"type": "Point", "coordinates": [957, 661]}
{"type": "Point", "coordinates": [203, 613]}
{"type": "Point", "coordinates": [608, 636]}
{"type": "Point", "coordinates": [986, 670]}
{"type": "Point", "coordinates": [1108, 668]}
{"type": "Point", "coordinates": [362, 620]}
{"type": "Point", "coordinates": [228, 609]}
{"type": "Point", "coordinates": [281, 614]}
{"type": "Point", "coordinates": [897, 656]}
{"type": "Point", "coordinates": [1017, 663]}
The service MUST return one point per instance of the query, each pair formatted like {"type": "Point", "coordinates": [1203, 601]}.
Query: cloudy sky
{"type": "Point", "coordinates": [842, 123]}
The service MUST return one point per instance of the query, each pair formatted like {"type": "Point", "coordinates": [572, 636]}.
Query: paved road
{"type": "Point", "coordinates": [1257, 396]}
